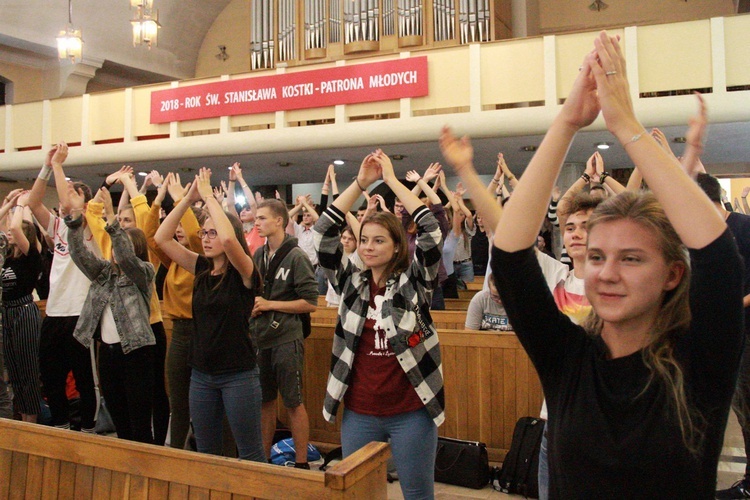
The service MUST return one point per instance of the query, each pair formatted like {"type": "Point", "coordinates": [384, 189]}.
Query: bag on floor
{"type": "Point", "coordinates": [520, 472]}
{"type": "Point", "coordinates": [462, 463]}
{"type": "Point", "coordinates": [104, 423]}
{"type": "Point", "coordinates": [283, 452]}
{"type": "Point", "coordinates": [335, 454]}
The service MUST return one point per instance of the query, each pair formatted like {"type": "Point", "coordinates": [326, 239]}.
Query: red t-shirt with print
{"type": "Point", "coordinates": [378, 385]}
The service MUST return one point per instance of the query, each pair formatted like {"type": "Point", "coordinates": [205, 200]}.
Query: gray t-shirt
{"type": "Point", "coordinates": [485, 314]}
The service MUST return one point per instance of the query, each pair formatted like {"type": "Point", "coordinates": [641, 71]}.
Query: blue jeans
{"type": "Point", "coordinates": [543, 467]}
{"type": "Point", "coordinates": [464, 272]}
{"type": "Point", "coordinates": [413, 444]}
{"type": "Point", "coordinates": [320, 277]}
{"type": "Point", "coordinates": [237, 394]}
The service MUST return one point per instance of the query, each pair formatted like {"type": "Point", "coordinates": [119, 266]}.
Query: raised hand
{"type": "Point", "coordinates": [109, 211]}
{"type": "Point", "coordinates": [745, 191]}
{"type": "Point", "coordinates": [591, 166]}
{"type": "Point", "coordinates": [556, 193]}
{"type": "Point", "coordinates": [233, 172]}
{"type": "Point", "coordinates": [381, 202]}
{"type": "Point", "coordinates": [50, 154]}
{"type": "Point", "coordinates": [75, 200]}
{"type": "Point", "coordinates": [609, 70]}
{"type": "Point", "coordinates": [218, 194]}
{"type": "Point", "coordinates": [332, 172]}
{"type": "Point", "coordinates": [457, 152]}
{"type": "Point", "coordinates": [203, 180]}
{"type": "Point", "coordinates": [156, 178]}
{"type": "Point", "coordinates": [662, 140]}
{"type": "Point", "coordinates": [161, 191]}
{"type": "Point", "coordinates": [23, 198]}
{"type": "Point", "coordinates": [13, 196]}
{"type": "Point", "coordinates": [460, 190]}
{"type": "Point", "coordinates": [697, 126]}
{"type": "Point", "coordinates": [386, 167]}
{"type": "Point", "coordinates": [582, 104]}
{"type": "Point", "coordinates": [413, 176]}
{"type": "Point", "coordinates": [60, 154]}
{"type": "Point", "coordinates": [432, 171]}
{"type": "Point", "coordinates": [176, 189]}
{"type": "Point", "coordinates": [115, 176]}
{"type": "Point", "coordinates": [369, 171]}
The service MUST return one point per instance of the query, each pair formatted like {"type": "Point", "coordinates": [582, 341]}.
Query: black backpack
{"type": "Point", "coordinates": [520, 472]}
{"type": "Point", "coordinates": [268, 274]}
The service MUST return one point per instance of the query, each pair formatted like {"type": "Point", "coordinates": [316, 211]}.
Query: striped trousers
{"type": "Point", "coordinates": [21, 327]}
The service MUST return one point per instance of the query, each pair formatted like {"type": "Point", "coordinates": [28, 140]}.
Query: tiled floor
{"type": "Point", "coordinates": [731, 468]}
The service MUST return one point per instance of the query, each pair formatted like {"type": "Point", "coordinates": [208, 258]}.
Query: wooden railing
{"type": "Point", "coordinates": [489, 381]}
{"type": "Point", "coordinates": [43, 462]}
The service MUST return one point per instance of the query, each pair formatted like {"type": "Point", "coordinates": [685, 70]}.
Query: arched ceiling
{"type": "Point", "coordinates": [30, 27]}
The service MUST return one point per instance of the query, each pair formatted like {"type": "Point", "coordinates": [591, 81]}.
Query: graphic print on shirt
{"type": "Point", "coordinates": [495, 322]}
{"type": "Point", "coordinates": [374, 314]}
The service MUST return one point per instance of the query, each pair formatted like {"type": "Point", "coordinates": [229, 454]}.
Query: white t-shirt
{"type": "Point", "coordinates": [68, 287]}
{"type": "Point", "coordinates": [305, 241]}
{"type": "Point", "coordinates": [569, 293]}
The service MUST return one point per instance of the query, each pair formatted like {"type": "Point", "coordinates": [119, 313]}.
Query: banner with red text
{"type": "Point", "coordinates": [371, 82]}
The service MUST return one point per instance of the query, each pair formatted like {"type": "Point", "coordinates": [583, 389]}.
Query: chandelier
{"type": "Point", "coordinates": [69, 42]}
{"type": "Point", "coordinates": [145, 23]}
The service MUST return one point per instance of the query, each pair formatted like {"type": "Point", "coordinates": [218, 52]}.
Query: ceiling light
{"type": "Point", "coordinates": [602, 145]}
{"type": "Point", "coordinates": [680, 140]}
{"type": "Point", "coordinates": [338, 162]}
{"type": "Point", "coordinates": [398, 157]}
{"type": "Point", "coordinates": [145, 23]}
{"type": "Point", "coordinates": [69, 41]}
{"type": "Point", "coordinates": [142, 174]}
{"type": "Point", "coordinates": [284, 163]}
{"type": "Point", "coordinates": [528, 148]}
{"type": "Point", "coordinates": [598, 5]}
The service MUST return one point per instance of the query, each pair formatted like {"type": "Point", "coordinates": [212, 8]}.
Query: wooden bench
{"type": "Point", "coordinates": [467, 294]}
{"type": "Point", "coordinates": [44, 462]}
{"type": "Point", "coordinates": [453, 320]}
{"type": "Point", "coordinates": [489, 384]}
{"type": "Point", "coordinates": [457, 304]}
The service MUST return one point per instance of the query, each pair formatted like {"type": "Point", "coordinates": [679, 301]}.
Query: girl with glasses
{"type": "Point", "coordinates": [224, 375]}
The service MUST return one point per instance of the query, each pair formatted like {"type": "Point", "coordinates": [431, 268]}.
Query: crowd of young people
{"type": "Point", "coordinates": [637, 341]}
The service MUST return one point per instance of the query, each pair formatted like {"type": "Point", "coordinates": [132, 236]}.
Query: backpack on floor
{"type": "Point", "coordinates": [520, 472]}
{"type": "Point", "coordinates": [283, 453]}
{"type": "Point", "coordinates": [335, 454]}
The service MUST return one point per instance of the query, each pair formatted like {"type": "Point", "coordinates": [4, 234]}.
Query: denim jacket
{"type": "Point", "coordinates": [125, 287]}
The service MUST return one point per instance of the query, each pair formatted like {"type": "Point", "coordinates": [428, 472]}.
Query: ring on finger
{"type": "Point", "coordinates": [610, 73]}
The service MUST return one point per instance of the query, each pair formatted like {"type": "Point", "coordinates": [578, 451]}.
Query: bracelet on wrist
{"type": "Point", "coordinates": [45, 173]}
{"type": "Point", "coordinates": [586, 177]}
{"type": "Point", "coordinates": [359, 185]}
{"type": "Point", "coordinates": [495, 180]}
{"type": "Point", "coordinates": [603, 176]}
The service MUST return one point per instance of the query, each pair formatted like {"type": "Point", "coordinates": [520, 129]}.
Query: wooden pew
{"type": "Point", "coordinates": [467, 294]}
{"type": "Point", "coordinates": [489, 384]}
{"type": "Point", "coordinates": [457, 304]}
{"type": "Point", "coordinates": [452, 320]}
{"type": "Point", "coordinates": [44, 462]}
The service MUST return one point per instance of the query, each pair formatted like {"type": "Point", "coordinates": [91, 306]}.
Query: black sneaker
{"type": "Point", "coordinates": [740, 489]}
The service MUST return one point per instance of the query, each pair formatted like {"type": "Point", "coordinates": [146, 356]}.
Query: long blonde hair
{"type": "Point", "coordinates": [673, 319]}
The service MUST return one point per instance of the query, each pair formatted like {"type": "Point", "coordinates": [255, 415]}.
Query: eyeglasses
{"type": "Point", "coordinates": [211, 233]}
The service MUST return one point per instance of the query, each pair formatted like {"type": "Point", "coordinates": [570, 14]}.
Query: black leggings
{"type": "Point", "coordinates": [160, 398]}
{"type": "Point", "coordinates": [127, 385]}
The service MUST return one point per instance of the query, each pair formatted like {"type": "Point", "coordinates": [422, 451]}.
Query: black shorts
{"type": "Point", "coordinates": [281, 372]}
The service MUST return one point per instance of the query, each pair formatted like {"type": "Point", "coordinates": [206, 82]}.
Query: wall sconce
{"type": "Point", "coordinates": [145, 23]}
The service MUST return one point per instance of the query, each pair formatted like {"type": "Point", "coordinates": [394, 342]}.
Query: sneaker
{"type": "Point", "coordinates": [740, 489]}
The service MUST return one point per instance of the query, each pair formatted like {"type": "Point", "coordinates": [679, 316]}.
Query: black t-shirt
{"type": "Point", "coordinates": [21, 274]}
{"type": "Point", "coordinates": [610, 434]}
{"type": "Point", "coordinates": [480, 252]}
{"type": "Point", "coordinates": [221, 343]}
{"type": "Point", "coordinates": [739, 224]}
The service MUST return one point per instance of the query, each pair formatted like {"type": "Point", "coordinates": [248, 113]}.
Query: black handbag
{"type": "Point", "coordinates": [462, 463]}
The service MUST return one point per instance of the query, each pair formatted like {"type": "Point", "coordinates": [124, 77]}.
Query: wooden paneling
{"type": "Point", "coordinates": [489, 384]}
{"type": "Point", "coordinates": [93, 466]}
